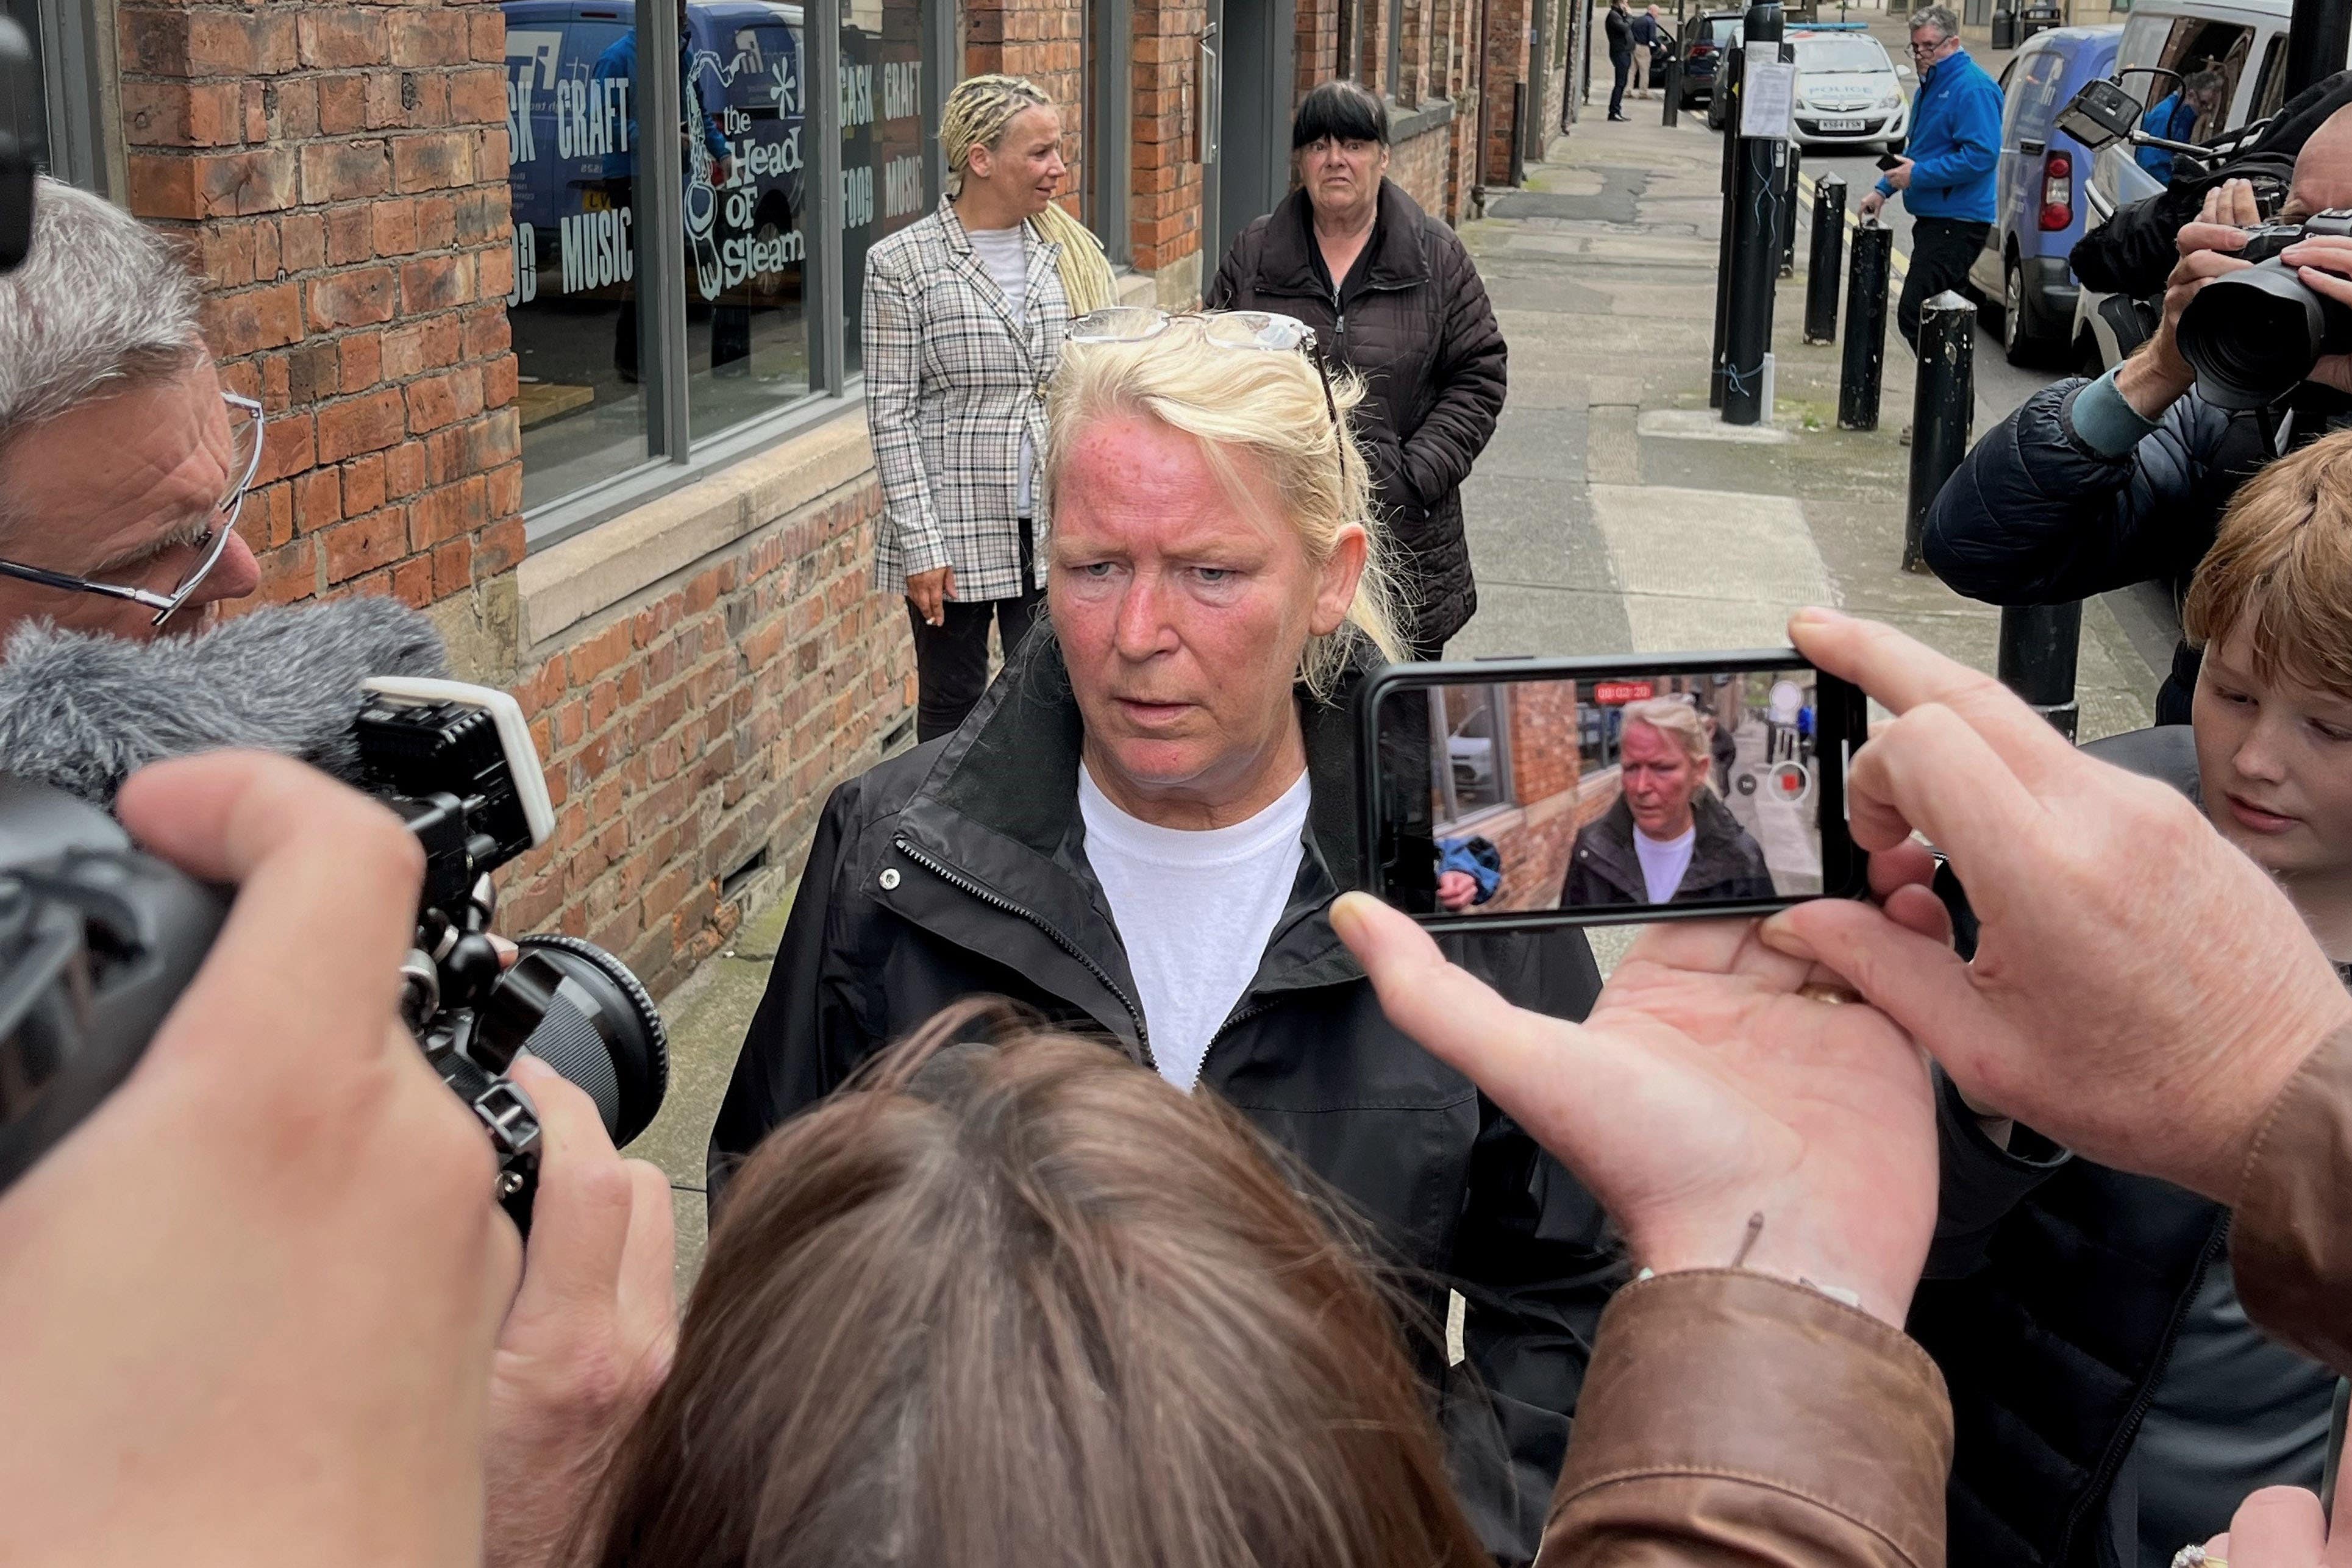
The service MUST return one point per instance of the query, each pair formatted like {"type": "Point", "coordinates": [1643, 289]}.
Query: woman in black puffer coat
{"type": "Point", "coordinates": [1394, 298]}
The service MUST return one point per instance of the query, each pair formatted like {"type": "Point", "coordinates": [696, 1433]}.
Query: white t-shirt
{"type": "Point", "coordinates": [1194, 909]}
{"type": "Point", "coordinates": [1664, 861]}
{"type": "Point", "coordinates": [1000, 251]}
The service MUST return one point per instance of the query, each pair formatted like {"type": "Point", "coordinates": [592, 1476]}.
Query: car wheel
{"type": "Point", "coordinates": [2023, 339]}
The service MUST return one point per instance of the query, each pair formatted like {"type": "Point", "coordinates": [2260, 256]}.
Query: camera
{"type": "Point", "coordinates": [2253, 335]}
{"type": "Point", "coordinates": [97, 940]}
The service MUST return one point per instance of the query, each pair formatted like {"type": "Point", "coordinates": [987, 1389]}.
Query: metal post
{"type": "Point", "coordinates": [1668, 115]}
{"type": "Point", "coordinates": [1756, 245]}
{"type": "Point", "coordinates": [1943, 406]}
{"type": "Point", "coordinates": [1826, 259]}
{"type": "Point", "coordinates": [2317, 35]}
{"type": "Point", "coordinates": [1866, 328]}
{"type": "Point", "coordinates": [1518, 133]}
{"type": "Point", "coordinates": [1727, 87]}
{"type": "Point", "coordinates": [2038, 644]}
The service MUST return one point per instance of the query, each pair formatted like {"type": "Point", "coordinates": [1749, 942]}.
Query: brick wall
{"type": "Point", "coordinates": [694, 727]}
{"type": "Point", "coordinates": [339, 174]}
{"type": "Point", "coordinates": [1418, 167]}
{"type": "Point", "coordinates": [1165, 211]}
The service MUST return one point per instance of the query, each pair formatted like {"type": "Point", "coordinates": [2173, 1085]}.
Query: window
{"type": "Point", "coordinates": [1470, 731]}
{"type": "Point", "coordinates": [2035, 99]}
{"type": "Point", "coordinates": [668, 308]}
{"type": "Point", "coordinates": [2153, 73]}
{"type": "Point", "coordinates": [62, 123]}
{"type": "Point", "coordinates": [2270, 86]}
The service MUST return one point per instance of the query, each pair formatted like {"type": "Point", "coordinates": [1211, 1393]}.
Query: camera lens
{"type": "Point", "coordinates": [602, 1031]}
{"type": "Point", "coordinates": [2251, 336]}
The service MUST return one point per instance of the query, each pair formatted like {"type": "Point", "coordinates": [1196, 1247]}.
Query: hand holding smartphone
{"type": "Point", "coordinates": [1533, 792]}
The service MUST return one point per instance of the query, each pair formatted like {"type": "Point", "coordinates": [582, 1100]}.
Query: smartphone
{"type": "Point", "coordinates": [1535, 792]}
{"type": "Point", "coordinates": [1889, 160]}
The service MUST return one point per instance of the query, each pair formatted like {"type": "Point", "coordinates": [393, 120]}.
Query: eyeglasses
{"type": "Point", "coordinates": [244, 420]}
{"type": "Point", "coordinates": [1930, 47]}
{"type": "Point", "coordinates": [1259, 331]}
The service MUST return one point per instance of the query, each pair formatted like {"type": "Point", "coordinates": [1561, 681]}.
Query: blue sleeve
{"type": "Point", "coordinates": [2106, 421]}
{"type": "Point", "coordinates": [1974, 146]}
{"type": "Point", "coordinates": [1477, 857]}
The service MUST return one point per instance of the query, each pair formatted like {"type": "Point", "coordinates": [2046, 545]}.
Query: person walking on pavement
{"type": "Point", "coordinates": [965, 314]}
{"type": "Point", "coordinates": [1948, 180]}
{"type": "Point", "coordinates": [1620, 22]}
{"type": "Point", "coordinates": [1393, 296]}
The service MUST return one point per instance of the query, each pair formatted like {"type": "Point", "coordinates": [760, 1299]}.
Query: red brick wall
{"type": "Point", "coordinates": [1418, 167]}
{"type": "Point", "coordinates": [1165, 214]}
{"type": "Point", "coordinates": [339, 174]}
{"type": "Point", "coordinates": [694, 725]}
{"type": "Point", "coordinates": [1505, 67]}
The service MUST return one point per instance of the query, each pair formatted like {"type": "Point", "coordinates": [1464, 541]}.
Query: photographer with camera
{"type": "Point", "coordinates": [2091, 486]}
{"type": "Point", "coordinates": [278, 1236]}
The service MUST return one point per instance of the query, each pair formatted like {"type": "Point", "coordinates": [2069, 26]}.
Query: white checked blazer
{"type": "Point", "coordinates": [951, 385]}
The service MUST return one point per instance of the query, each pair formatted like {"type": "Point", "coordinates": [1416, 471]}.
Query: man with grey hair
{"type": "Point", "coordinates": [122, 462]}
{"type": "Point", "coordinates": [1948, 180]}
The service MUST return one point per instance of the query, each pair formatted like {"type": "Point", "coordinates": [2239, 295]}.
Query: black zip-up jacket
{"type": "Point", "coordinates": [2034, 516]}
{"type": "Point", "coordinates": [1605, 868]}
{"type": "Point", "coordinates": [1414, 321]}
{"type": "Point", "coordinates": [959, 867]}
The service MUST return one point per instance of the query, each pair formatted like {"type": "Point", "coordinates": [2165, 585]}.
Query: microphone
{"type": "Point", "coordinates": [81, 712]}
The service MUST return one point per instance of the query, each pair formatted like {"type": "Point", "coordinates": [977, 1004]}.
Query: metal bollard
{"type": "Point", "coordinates": [1795, 188]}
{"type": "Point", "coordinates": [1667, 116]}
{"type": "Point", "coordinates": [1726, 85]}
{"type": "Point", "coordinates": [1826, 260]}
{"type": "Point", "coordinates": [1756, 246]}
{"type": "Point", "coordinates": [1866, 328]}
{"type": "Point", "coordinates": [1943, 407]}
{"type": "Point", "coordinates": [2038, 644]}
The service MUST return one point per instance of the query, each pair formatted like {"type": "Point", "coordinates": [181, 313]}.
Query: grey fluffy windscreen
{"type": "Point", "coordinates": [82, 712]}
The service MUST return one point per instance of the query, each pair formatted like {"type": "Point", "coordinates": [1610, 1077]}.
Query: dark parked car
{"type": "Point", "coordinates": [2039, 210]}
{"type": "Point", "coordinates": [1707, 43]}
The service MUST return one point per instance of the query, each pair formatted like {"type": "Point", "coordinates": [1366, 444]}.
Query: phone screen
{"type": "Point", "coordinates": [1587, 792]}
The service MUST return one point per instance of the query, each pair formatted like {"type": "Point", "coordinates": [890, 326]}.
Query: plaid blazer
{"type": "Point", "coordinates": [951, 385]}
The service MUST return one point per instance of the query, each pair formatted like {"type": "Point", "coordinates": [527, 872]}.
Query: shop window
{"type": "Point", "coordinates": [1470, 730]}
{"type": "Point", "coordinates": [676, 292]}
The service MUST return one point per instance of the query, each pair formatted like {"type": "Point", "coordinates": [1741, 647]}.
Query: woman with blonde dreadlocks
{"type": "Point", "coordinates": [965, 314]}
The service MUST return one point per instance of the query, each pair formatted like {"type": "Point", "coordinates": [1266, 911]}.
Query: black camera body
{"type": "Point", "coordinates": [97, 940]}
{"type": "Point", "coordinates": [2252, 335]}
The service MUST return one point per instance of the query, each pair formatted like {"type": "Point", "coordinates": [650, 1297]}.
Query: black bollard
{"type": "Point", "coordinates": [1761, 193]}
{"type": "Point", "coordinates": [2038, 644]}
{"type": "Point", "coordinates": [1866, 328]}
{"type": "Point", "coordinates": [1826, 259]}
{"type": "Point", "coordinates": [1726, 85]}
{"type": "Point", "coordinates": [1667, 116]}
{"type": "Point", "coordinates": [1943, 407]}
{"type": "Point", "coordinates": [1794, 188]}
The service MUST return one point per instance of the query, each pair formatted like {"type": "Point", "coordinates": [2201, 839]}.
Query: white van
{"type": "Point", "coordinates": [2244, 39]}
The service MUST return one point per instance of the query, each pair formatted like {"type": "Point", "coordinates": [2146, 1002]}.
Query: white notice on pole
{"type": "Point", "coordinates": [1768, 99]}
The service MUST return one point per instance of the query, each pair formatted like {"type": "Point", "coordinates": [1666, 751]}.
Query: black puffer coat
{"type": "Point", "coordinates": [959, 869]}
{"type": "Point", "coordinates": [1413, 322]}
{"type": "Point", "coordinates": [2034, 516]}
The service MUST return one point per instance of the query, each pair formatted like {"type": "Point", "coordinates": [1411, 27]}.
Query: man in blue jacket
{"type": "Point", "coordinates": [1948, 180]}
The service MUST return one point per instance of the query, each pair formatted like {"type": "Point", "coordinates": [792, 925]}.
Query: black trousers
{"type": "Point", "coordinates": [952, 659]}
{"type": "Point", "coordinates": [1624, 65]}
{"type": "Point", "coordinates": [1942, 251]}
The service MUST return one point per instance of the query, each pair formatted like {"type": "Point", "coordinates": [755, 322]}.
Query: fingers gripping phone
{"type": "Point", "coordinates": [1535, 792]}
{"type": "Point", "coordinates": [1889, 160]}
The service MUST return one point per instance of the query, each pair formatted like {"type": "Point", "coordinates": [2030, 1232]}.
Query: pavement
{"type": "Point", "coordinates": [1613, 511]}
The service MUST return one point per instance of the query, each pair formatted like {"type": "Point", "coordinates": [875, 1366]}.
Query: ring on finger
{"type": "Point", "coordinates": [2196, 1557]}
{"type": "Point", "coordinates": [1830, 994]}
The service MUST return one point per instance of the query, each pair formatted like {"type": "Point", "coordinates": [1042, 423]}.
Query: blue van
{"type": "Point", "coordinates": [571, 129]}
{"type": "Point", "coordinates": [2038, 206]}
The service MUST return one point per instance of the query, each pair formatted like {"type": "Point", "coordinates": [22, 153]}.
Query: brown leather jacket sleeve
{"type": "Point", "coordinates": [2291, 1239]}
{"type": "Point", "coordinates": [1733, 1418]}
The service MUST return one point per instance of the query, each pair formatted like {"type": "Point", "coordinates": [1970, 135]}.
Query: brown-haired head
{"type": "Point", "coordinates": [1019, 1303]}
{"type": "Point", "coordinates": [2280, 566]}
